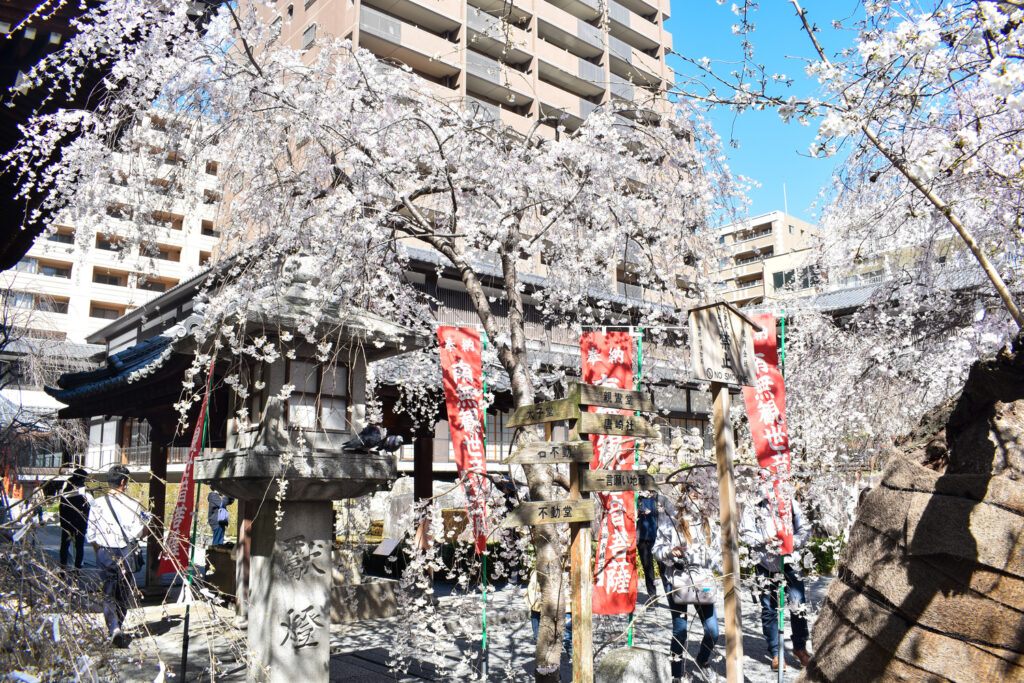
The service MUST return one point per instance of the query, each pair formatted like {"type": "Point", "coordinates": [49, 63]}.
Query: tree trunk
{"type": "Point", "coordinates": [513, 358]}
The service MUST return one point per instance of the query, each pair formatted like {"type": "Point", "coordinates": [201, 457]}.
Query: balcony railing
{"type": "Point", "coordinates": [378, 24]}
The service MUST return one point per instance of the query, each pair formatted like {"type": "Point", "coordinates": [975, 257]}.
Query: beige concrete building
{"type": "Point", "coordinates": [750, 251]}
{"type": "Point", "coordinates": [519, 62]}
{"type": "Point", "coordinates": [74, 287]}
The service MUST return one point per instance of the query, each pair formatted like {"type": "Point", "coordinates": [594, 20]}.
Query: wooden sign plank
{"type": "Point", "coordinates": [619, 480]}
{"type": "Point", "coordinates": [620, 425]}
{"type": "Point", "coordinates": [553, 452]}
{"type": "Point", "coordinates": [591, 395]}
{"type": "Point", "coordinates": [548, 411]}
{"type": "Point", "coordinates": [722, 345]}
{"type": "Point", "coordinates": [551, 512]}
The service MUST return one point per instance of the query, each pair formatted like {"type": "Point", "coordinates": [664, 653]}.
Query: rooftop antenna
{"type": "Point", "coordinates": [785, 204]}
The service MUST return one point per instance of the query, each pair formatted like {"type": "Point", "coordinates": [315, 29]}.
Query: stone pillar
{"type": "Point", "coordinates": [289, 588]}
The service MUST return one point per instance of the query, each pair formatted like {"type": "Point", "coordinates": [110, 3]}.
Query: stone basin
{"type": "Point", "coordinates": [254, 473]}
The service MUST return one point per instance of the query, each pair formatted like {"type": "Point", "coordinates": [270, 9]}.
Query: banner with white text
{"type": "Point", "coordinates": [175, 557]}
{"type": "Point", "coordinates": [608, 361]}
{"type": "Point", "coordinates": [766, 411]}
{"type": "Point", "coordinates": [462, 374]}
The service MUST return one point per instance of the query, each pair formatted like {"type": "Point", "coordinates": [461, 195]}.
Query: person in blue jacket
{"type": "Point", "coordinates": [646, 535]}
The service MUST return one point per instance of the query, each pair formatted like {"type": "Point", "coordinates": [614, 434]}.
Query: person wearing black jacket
{"type": "Point", "coordinates": [74, 517]}
{"type": "Point", "coordinates": [218, 516]}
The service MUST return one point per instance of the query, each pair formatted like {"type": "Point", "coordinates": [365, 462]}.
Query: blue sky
{"type": "Point", "coordinates": [770, 152]}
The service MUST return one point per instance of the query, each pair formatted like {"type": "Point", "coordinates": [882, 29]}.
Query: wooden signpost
{"type": "Point", "coordinates": [722, 352]}
{"type": "Point", "coordinates": [578, 510]}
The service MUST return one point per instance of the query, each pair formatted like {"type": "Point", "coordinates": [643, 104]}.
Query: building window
{"type": "Point", "coordinates": [320, 399]}
{"type": "Point", "coordinates": [107, 244]}
{"type": "Point", "coordinates": [55, 270]}
{"type": "Point", "coordinates": [108, 279]}
{"type": "Point", "coordinates": [800, 278]}
{"type": "Point", "coordinates": [211, 166]}
{"type": "Point", "coordinates": [51, 305]}
{"type": "Point", "coordinates": [309, 37]}
{"type": "Point", "coordinates": [21, 299]}
{"type": "Point", "coordinates": [791, 230]}
{"type": "Point", "coordinates": [27, 265]}
{"type": "Point", "coordinates": [105, 312]}
{"type": "Point", "coordinates": [209, 230]}
{"type": "Point", "coordinates": [291, 11]}
{"type": "Point", "coordinates": [61, 238]}
{"type": "Point", "coordinates": [153, 286]}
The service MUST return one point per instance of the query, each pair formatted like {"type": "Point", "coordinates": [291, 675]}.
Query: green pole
{"type": "Point", "coordinates": [192, 549]}
{"type": "Point", "coordinates": [782, 558]}
{"type": "Point", "coordinates": [636, 451]}
{"type": "Point", "coordinates": [483, 577]}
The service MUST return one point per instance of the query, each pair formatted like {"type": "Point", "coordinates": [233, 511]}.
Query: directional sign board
{"type": "Point", "coordinates": [620, 425]}
{"type": "Point", "coordinates": [722, 344]}
{"type": "Point", "coordinates": [551, 512]}
{"type": "Point", "coordinates": [619, 480]}
{"type": "Point", "coordinates": [553, 452]}
{"type": "Point", "coordinates": [549, 411]}
{"type": "Point", "coordinates": [591, 395]}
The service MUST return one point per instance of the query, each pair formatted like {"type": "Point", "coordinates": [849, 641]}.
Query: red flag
{"type": "Point", "coordinates": [462, 375]}
{"type": "Point", "coordinates": [608, 361]}
{"type": "Point", "coordinates": [175, 555]}
{"type": "Point", "coordinates": [766, 411]}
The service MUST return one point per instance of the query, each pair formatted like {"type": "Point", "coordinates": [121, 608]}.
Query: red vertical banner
{"type": "Point", "coordinates": [175, 555]}
{"type": "Point", "coordinates": [462, 375]}
{"type": "Point", "coordinates": [766, 411]}
{"type": "Point", "coordinates": [608, 361]}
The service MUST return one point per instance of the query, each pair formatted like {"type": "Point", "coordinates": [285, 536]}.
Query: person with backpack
{"type": "Point", "coordinates": [690, 554]}
{"type": "Point", "coordinates": [116, 523]}
{"type": "Point", "coordinates": [759, 530]}
{"type": "Point", "coordinates": [74, 517]}
{"type": "Point", "coordinates": [218, 516]}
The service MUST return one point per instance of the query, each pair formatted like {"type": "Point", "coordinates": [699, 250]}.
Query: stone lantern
{"type": "Point", "coordinates": [293, 452]}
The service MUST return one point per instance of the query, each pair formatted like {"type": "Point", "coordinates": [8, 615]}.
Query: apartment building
{"type": "Point", "coordinates": [749, 256]}
{"type": "Point", "coordinates": [75, 287]}
{"type": "Point", "coordinates": [518, 62]}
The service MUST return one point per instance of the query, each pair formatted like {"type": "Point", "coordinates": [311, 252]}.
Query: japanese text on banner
{"type": "Point", "coordinates": [608, 361]}
{"type": "Point", "coordinates": [462, 375]}
{"type": "Point", "coordinates": [176, 552]}
{"type": "Point", "coordinates": [766, 410]}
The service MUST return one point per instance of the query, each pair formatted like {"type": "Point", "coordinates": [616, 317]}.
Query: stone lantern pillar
{"type": "Point", "coordinates": [290, 563]}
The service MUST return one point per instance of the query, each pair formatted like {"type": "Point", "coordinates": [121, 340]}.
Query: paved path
{"type": "Point", "coordinates": [447, 649]}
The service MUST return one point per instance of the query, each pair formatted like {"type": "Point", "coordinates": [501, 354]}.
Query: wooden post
{"type": "Point", "coordinates": [730, 544]}
{"type": "Point", "coordinates": [581, 580]}
{"type": "Point", "coordinates": [157, 502]}
{"type": "Point", "coordinates": [423, 483]}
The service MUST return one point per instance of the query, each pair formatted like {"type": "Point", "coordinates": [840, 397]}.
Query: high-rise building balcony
{"type": "Point", "coordinates": [569, 32]}
{"type": "Point", "coordinates": [496, 81]}
{"type": "Point", "coordinates": [518, 12]}
{"type": "Point", "coordinates": [388, 37]}
{"type": "Point", "coordinates": [568, 71]}
{"type": "Point", "coordinates": [633, 28]}
{"type": "Point", "coordinates": [487, 33]}
{"type": "Point", "coordinates": [584, 9]}
{"type": "Point", "coordinates": [633, 64]}
{"type": "Point", "coordinates": [437, 16]}
{"type": "Point", "coordinates": [562, 106]}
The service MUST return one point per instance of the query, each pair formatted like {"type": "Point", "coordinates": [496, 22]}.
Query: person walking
{"type": "Point", "coordinates": [116, 523]}
{"type": "Point", "coordinates": [690, 557]}
{"type": "Point", "coordinates": [218, 515]}
{"type": "Point", "coordinates": [759, 529]}
{"type": "Point", "coordinates": [646, 534]}
{"type": "Point", "coordinates": [74, 517]}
